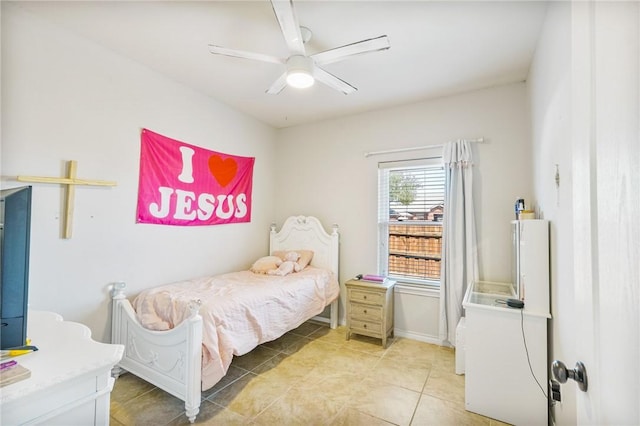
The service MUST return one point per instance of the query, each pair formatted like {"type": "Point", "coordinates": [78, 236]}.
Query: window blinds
{"type": "Point", "coordinates": [410, 209]}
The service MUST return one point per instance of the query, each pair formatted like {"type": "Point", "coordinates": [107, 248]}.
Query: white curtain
{"type": "Point", "coordinates": [459, 264]}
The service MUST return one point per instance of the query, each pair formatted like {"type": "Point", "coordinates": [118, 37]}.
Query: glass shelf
{"type": "Point", "coordinates": [489, 293]}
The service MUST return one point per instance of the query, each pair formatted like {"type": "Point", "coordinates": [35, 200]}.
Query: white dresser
{"type": "Point", "coordinates": [70, 381]}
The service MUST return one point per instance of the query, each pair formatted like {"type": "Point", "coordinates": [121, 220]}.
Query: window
{"type": "Point", "coordinates": [410, 213]}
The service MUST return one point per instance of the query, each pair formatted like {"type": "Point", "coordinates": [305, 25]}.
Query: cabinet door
{"type": "Point", "coordinates": [498, 379]}
{"type": "Point", "coordinates": [533, 249]}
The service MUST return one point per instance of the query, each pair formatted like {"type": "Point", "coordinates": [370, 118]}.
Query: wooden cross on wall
{"type": "Point", "coordinates": [71, 181]}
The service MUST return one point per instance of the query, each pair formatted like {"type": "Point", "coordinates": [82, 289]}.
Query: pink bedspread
{"type": "Point", "coordinates": [240, 310]}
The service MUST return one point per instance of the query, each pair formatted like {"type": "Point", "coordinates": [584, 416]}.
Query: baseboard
{"type": "Point", "coordinates": [419, 337]}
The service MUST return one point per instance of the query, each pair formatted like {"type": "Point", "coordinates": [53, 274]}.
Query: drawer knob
{"type": "Point", "coordinates": [365, 297]}
{"type": "Point", "coordinates": [365, 311]}
{"type": "Point", "coordinates": [365, 325]}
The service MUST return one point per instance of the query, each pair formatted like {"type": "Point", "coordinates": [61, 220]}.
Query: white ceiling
{"type": "Point", "coordinates": [437, 48]}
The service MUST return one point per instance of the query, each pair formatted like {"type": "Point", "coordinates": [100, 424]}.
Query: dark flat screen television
{"type": "Point", "coordinates": [15, 230]}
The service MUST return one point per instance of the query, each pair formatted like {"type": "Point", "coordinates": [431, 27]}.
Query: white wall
{"type": "Point", "coordinates": [76, 100]}
{"type": "Point", "coordinates": [549, 86]}
{"type": "Point", "coordinates": [323, 172]}
{"type": "Point", "coordinates": [66, 98]}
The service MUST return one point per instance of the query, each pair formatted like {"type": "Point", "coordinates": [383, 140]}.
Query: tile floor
{"type": "Point", "coordinates": [313, 376]}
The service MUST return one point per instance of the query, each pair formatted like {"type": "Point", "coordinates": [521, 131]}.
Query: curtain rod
{"type": "Point", "coordinates": [416, 148]}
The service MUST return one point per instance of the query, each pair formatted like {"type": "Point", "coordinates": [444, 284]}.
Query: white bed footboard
{"type": "Point", "coordinates": [170, 359]}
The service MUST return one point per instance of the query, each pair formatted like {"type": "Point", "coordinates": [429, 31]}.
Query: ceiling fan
{"type": "Point", "coordinates": [301, 70]}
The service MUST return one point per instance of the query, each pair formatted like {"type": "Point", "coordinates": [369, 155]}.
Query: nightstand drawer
{"type": "Point", "coordinates": [366, 312]}
{"type": "Point", "coordinates": [368, 297]}
{"type": "Point", "coordinates": [369, 327]}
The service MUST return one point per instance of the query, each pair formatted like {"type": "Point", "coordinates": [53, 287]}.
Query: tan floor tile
{"type": "Point", "coordinates": [446, 386]}
{"type": "Point", "coordinates": [336, 336]}
{"type": "Point", "coordinates": [435, 411]}
{"type": "Point", "coordinates": [227, 394]}
{"type": "Point", "coordinates": [447, 350]}
{"type": "Point", "coordinates": [493, 422]}
{"type": "Point", "coordinates": [254, 358]}
{"type": "Point", "coordinates": [298, 345]}
{"type": "Point", "coordinates": [319, 379]}
{"type": "Point", "coordinates": [391, 403]}
{"type": "Point", "coordinates": [410, 376]}
{"type": "Point", "coordinates": [307, 328]}
{"type": "Point", "coordinates": [412, 352]}
{"type": "Point", "coordinates": [307, 359]}
{"type": "Point", "coordinates": [285, 368]}
{"type": "Point", "coordinates": [312, 350]}
{"type": "Point", "coordinates": [212, 414]}
{"type": "Point", "coordinates": [114, 422]}
{"type": "Point", "coordinates": [283, 342]}
{"type": "Point", "coordinates": [233, 374]}
{"type": "Point", "coordinates": [345, 359]}
{"type": "Point", "coordinates": [250, 394]}
{"type": "Point", "coordinates": [299, 408]}
{"type": "Point", "coordinates": [126, 388]}
{"type": "Point", "coordinates": [352, 417]}
{"type": "Point", "coordinates": [366, 344]}
{"type": "Point", "coordinates": [445, 360]}
{"type": "Point", "coordinates": [332, 384]}
{"type": "Point", "coordinates": [152, 408]}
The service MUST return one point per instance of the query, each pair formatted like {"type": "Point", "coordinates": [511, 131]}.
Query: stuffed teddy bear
{"type": "Point", "coordinates": [288, 266]}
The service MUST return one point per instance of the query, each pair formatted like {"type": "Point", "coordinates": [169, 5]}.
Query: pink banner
{"type": "Point", "coordinates": [182, 184]}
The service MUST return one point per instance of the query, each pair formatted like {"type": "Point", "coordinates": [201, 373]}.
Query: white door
{"type": "Point", "coordinates": [606, 188]}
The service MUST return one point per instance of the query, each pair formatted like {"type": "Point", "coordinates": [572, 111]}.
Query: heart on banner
{"type": "Point", "coordinates": [223, 170]}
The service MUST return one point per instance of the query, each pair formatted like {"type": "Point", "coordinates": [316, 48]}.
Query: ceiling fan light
{"type": "Point", "coordinates": [299, 72]}
{"type": "Point", "coordinates": [300, 79]}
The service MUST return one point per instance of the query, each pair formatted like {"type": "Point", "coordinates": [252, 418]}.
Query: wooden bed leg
{"type": "Point", "coordinates": [334, 314]}
{"type": "Point", "coordinates": [192, 413]}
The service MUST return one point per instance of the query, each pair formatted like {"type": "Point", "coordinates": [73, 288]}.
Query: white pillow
{"type": "Point", "coordinates": [265, 264]}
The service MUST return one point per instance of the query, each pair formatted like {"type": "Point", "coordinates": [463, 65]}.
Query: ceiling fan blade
{"type": "Point", "coordinates": [351, 50]}
{"type": "Point", "coordinates": [218, 50]}
{"type": "Point", "coordinates": [278, 85]}
{"type": "Point", "coordinates": [289, 26]}
{"type": "Point", "coordinates": [332, 81]}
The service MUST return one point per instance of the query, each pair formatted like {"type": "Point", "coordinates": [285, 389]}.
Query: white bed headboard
{"type": "Point", "coordinates": [306, 232]}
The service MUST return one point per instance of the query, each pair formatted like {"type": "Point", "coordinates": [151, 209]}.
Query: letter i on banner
{"type": "Point", "coordinates": [187, 165]}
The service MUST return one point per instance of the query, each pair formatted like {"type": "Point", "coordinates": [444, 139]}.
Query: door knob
{"type": "Point", "coordinates": [562, 373]}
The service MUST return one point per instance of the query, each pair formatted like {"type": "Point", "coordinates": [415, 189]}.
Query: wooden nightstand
{"type": "Point", "coordinates": [370, 309]}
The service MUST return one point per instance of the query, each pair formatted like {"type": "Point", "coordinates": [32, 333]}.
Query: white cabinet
{"type": "Point", "coordinates": [506, 348]}
{"type": "Point", "coordinates": [70, 381]}
{"type": "Point", "coordinates": [530, 264]}
{"type": "Point", "coordinates": [498, 381]}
